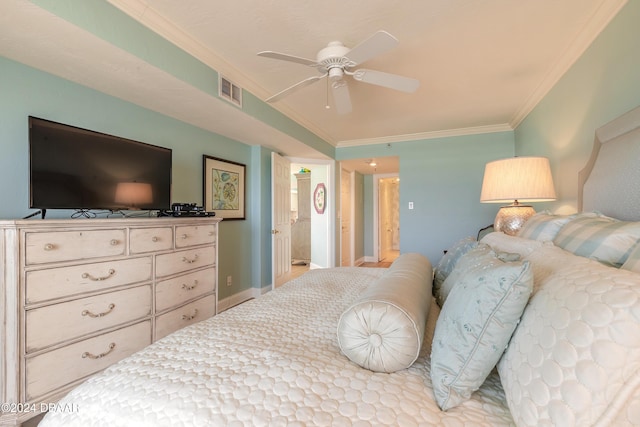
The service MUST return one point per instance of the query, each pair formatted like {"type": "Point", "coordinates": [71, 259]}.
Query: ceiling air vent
{"type": "Point", "coordinates": [229, 91]}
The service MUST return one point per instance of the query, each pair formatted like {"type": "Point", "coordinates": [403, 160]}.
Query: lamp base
{"type": "Point", "coordinates": [510, 219]}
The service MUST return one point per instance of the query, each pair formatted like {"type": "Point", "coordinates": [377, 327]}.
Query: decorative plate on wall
{"type": "Point", "coordinates": [320, 198]}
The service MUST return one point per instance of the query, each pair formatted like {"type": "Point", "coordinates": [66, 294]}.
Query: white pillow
{"type": "Point", "coordinates": [384, 329]}
{"type": "Point", "coordinates": [501, 242]}
{"type": "Point", "coordinates": [474, 327]}
{"type": "Point", "coordinates": [574, 359]}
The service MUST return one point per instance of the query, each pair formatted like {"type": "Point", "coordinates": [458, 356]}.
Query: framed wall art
{"type": "Point", "coordinates": [224, 187]}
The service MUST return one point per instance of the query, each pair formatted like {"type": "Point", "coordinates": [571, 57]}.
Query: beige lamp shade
{"type": "Point", "coordinates": [515, 180]}
{"type": "Point", "coordinates": [133, 194]}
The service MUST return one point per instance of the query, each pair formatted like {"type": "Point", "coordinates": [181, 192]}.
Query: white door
{"type": "Point", "coordinates": [280, 219]}
{"type": "Point", "coordinates": [345, 215]}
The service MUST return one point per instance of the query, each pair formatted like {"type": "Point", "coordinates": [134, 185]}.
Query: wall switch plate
{"type": "Point", "coordinates": [410, 205]}
{"type": "Point", "coordinates": [229, 280]}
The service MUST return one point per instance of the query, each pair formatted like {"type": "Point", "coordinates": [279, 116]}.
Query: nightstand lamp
{"type": "Point", "coordinates": [517, 179]}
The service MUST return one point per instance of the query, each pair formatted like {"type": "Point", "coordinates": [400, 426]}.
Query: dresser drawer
{"type": "Point", "coordinates": [52, 370]}
{"type": "Point", "coordinates": [43, 285]}
{"type": "Point", "coordinates": [60, 322]}
{"type": "Point", "coordinates": [195, 235]}
{"type": "Point", "coordinates": [186, 315]}
{"type": "Point", "coordinates": [143, 240]}
{"type": "Point", "coordinates": [43, 247]}
{"type": "Point", "coordinates": [178, 262]}
{"type": "Point", "coordinates": [173, 292]}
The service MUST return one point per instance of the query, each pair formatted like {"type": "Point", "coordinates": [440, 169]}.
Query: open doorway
{"type": "Point", "coordinates": [388, 210]}
{"type": "Point", "coordinates": [300, 219]}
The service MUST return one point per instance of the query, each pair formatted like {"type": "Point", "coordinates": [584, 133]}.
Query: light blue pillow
{"type": "Point", "coordinates": [543, 226]}
{"type": "Point", "coordinates": [449, 260]}
{"type": "Point", "coordinates": [599, 237]}
{"type": "Point", "coordinates": [475, 326]}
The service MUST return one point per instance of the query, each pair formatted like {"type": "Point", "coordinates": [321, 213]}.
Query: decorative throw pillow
{"type": "Point", "coordinates": [384, 329]}
{"type": "Point", "coordinates": [633, 261]}
{"type": "Point", "coordinates": [543, 226]}
{"type": "Point", "coordinates": [474, 328]}
{"type": "Point", "coordinates": [479, 255]}
{"type": "Point", "coordinates": [450, 259]}
{"type": "Point", "coordinates": [599, 237]}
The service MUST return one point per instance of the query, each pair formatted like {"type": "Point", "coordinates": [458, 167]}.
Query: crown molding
{"type": "Point", "coordinates": [476, 130]}
{"type": "Point", "coordinates": [591, 30]}
{"type": "Point", "coordinates": [143, 13]}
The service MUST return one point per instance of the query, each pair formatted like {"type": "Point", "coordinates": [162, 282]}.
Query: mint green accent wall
{"type": "Point", "coordinates": [26, 91]}
{"type": "Point", "coordinates": [443, 178]}
{"type": "Point", "coordinates": [603, 84]}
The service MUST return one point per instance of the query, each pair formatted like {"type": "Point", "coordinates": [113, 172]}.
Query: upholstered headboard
{"type": "Point", "coordinates": [610, 182]}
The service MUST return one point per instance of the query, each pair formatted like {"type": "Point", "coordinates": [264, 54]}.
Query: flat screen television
{"type": "Point", "coordinates": [74, 168]}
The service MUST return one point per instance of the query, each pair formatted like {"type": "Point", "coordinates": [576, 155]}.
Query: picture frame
{"type": "Point", "coordinates": [223, 187]}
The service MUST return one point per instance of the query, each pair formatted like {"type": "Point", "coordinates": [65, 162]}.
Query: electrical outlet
{"type": "Point", "coordinates": [229, 280]}
{"type": "Point", "coordinates": [410, 205]}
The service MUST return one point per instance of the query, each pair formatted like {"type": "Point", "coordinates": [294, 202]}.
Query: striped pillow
{"type": "Point", "coordinates": [543, 226]}
{"type": "Point", "coordinates": [599, 237]}
{"type": "Point", "coordinates": [633, 262]}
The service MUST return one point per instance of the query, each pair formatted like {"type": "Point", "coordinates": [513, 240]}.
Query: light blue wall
{"type": "Point", "coordinates": [443, 178]}
{"type": "Point", "coordinates": [26, 91]}
{"type": "Point", "coordinates": [603, 84]}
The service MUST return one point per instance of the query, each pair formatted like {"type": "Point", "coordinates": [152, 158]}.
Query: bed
{"type": "Point", "coordinates": [571, 355]}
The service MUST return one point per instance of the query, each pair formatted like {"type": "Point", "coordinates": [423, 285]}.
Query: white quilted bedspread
{"type": "Point", "coordinates": [272, 361]}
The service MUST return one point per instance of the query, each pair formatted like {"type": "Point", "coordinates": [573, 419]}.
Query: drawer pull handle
{"type": "Point", "coordinates": [101, 278]}
{"type": "Point", "coordinates": [188, 288]}
{"type": "Point", "coordinates": [86, 354]}
{"type": "Point", "coordinates": [114, 242]}
{"type": "Point", "coordinates": [184, 236]}
{"type": "Point", "coordinates": [49, 247]}
{"type": "Point", "coordinates": [154, 239]}
{"type": "Point", "coordinates": [190, 261]}
{"type": "Point", "coordinates": [94, 315]}
{"type": "Point", "coordinates": [193, 316]}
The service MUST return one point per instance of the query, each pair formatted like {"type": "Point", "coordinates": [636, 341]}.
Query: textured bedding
{"type": "Point", "coordinates": [273, 361]}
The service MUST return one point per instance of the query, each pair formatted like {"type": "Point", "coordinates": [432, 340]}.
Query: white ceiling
{"type": "Point", "coordinates": [482, 64]}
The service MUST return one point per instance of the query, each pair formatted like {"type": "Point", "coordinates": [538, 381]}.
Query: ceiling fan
{"type": "Point", "coordinates": [336, 60]}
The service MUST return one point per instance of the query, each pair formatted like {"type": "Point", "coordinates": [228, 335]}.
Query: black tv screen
{"type": "Point", "coordinates": [74, 168]}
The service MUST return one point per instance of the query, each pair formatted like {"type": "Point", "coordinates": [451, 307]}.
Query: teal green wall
{"type": "Point", "coordinates": [603, 84]}
{"type": "Point", "coordinates": [26, 91]}
{"type": "Point", "coordinates": [443, 178]}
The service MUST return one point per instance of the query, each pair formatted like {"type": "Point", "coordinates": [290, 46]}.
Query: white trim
{"type": "Point", "coordinates": [241, 297]}
{"type": "Point", "coordinates": [360, 261]}
{"type": "Point", "coordinates": [591, 30]}
{"type": "Point", "coordinates": [427, 135]}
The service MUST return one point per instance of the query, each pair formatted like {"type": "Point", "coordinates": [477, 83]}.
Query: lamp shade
{"type": "Point", "coordinates": [525, 179]}
{"type": "Point", "coordinates": [132, 194]}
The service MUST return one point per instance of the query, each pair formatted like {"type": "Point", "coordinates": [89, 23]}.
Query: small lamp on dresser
{"type": "Point", "coordinates": [516, 179]}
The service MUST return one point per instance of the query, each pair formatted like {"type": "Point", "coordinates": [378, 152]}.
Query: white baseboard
{"type": "Point", "coordinates": [360, 261]}
{"type": "Point", "coordinates": [313, 266]}
{"type": "Point", "coordinates": [241, 297]}
{"type": "Point", "coordinates": [370, 259]}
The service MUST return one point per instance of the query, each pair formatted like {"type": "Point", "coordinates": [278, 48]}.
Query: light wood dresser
{"type": "Point", "coordinates": [78, 295]}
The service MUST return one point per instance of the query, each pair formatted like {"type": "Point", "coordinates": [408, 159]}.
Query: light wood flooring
{"type": "Point", "coordinates": [298, 270]}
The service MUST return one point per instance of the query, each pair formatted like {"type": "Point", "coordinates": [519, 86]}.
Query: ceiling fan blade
{"type": "Point", "coordinates": [375, 45]}
{"type": "Point", "coordinates": [341, 97]}
{"type": "Point", "coordinates": [392, 81]}
{"type": "Point", "coordinates": [306, 82]}
{"type": "Point", "coordinates": [286, 57]}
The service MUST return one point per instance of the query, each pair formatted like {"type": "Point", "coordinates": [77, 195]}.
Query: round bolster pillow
{"type": "Point", "coordinates": [383, 330]}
